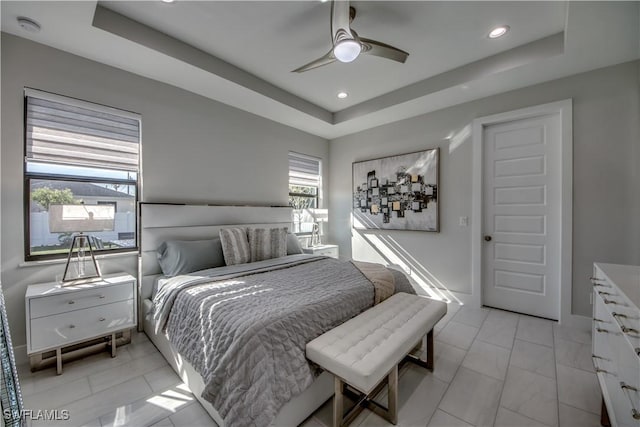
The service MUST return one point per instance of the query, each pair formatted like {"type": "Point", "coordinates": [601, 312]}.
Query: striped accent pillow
{"type": "Point", "coordinates": [235, 246]}
{"type": "Point", "coordinates": [267, 243]}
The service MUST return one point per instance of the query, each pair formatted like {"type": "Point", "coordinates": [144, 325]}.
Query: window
{"type": "Point", "coordinates": [304, 190]}
{"type": "Point", "coordinates": [77, 152]}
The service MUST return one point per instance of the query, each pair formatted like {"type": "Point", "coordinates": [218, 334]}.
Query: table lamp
{"type": "Point", "coordinates": [319, 216]}
{"type": "Point", "coordinates": [80, 219]}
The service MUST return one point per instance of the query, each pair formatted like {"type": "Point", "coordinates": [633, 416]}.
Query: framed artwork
{"type": "Point", "coordinates": [397, 192]}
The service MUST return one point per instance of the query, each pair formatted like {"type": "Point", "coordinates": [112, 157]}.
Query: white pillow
{"type": "Point", "coordinates": [267, 243]}
{"type": "Point", "coordinates": [235, 246]}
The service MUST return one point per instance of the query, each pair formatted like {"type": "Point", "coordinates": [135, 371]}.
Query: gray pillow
{"type": "Point", "coordinates": [293, 245]}
{"type": "Point", "coordinates": [186, 256]}
{"type": "Point", "coordinates": [235, 246]}
{"type": "Point", "coordinates": [267, 243]}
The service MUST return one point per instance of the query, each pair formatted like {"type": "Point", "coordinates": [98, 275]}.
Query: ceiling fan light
{"type": "Point", "coordinates": [347, 50]}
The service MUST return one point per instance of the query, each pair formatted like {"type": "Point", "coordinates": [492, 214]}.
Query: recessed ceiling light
{"type": "Point", "coordinates": [498, 31]}
{"type": "Point", "coordinates": [323, 1]}
{"type": "Point", "coordinates": [342, 95]}
{"type": "Point", "coordinates": [28, 24]}
{"type": "Point", "coordinates": [168, 1]}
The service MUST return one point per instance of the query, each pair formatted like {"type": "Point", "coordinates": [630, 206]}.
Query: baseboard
{"type": "Point", "coordinates": [20, 354]}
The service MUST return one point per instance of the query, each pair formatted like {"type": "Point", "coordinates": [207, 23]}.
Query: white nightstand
{"type": "Point", "coordinates": [328, 250]}
{"type": "Point", "coordinates": [60, 318]}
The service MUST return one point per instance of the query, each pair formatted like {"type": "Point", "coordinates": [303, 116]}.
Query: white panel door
{"type": "Point", "coordinates": [522, 214]}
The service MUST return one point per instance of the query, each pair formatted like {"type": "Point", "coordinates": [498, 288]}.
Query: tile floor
{"type": "Point", "coordinates": [492, 368]}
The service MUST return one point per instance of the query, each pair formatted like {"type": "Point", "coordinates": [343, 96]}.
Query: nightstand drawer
{"type": "Point", "coordinates": [66, 328]}
{"type": "Point", "coordinates": [95, 296]}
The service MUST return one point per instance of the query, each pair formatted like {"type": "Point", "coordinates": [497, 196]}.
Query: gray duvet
{"type": "Point", "coordinates": [245, 330]}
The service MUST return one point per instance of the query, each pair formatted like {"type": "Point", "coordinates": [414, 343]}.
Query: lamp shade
{"type": "Point", "coordinates": [80, 218]}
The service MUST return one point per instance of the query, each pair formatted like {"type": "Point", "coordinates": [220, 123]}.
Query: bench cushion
{"type": "Point", "coordinates": [363, 350]}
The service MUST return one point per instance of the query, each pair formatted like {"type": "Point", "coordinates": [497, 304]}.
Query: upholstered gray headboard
{"type": "Point", "coordinates": [160, 222]}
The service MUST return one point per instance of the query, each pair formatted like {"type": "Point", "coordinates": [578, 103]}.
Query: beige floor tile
{"type": "Point", "coordinates": [574, 354]}
{"type": "Point", "coordinates": [582, 336]}
{"type": "Point", "coordinates": [110, 377]}
{"type": "Point", "coordinates": [498, 331]}
{"type": "Point", "coordinates": [452, 309]}
{"type": "Point", "coordinates": [507, 418]}
{"type": "Point", "coordinates": [192, 416]}
{"type": "Point", "coordinates": [472, 397]}
{"type": "Point", "coordinates": [458, 335]}
{"type": "Point", "coordinates": [442, 419]}
{"type": "Point", "coordinates": [150, 409]}
{"type": "Point", "coordinates": [487, 359]}
{"type": "Point", "coordinates": [497, 315]}
{"type": "Point", "coordinates": [98, 404]}
{"type": "Point", "coordinates": [165, 422]}
{"type": "Point", "coordinates": [574, 417]}
{"type": "Point", "coordinates": [447, 360]}
{"type": "Point", "coordinates": [535, 358]}
{"type": "Point", "coordinates": [531, 395]}
{"type": "Point", "coordinates": [162, 378]}
{"type": "Point", "coordinates": [535, 330]}
{"type": "Point", "coordinates": [62, 395]}
{"type": "Point", "coordinates": [578, 388]}
{"type": "Point", "coordinates": [471, 316]}
{"type": "Point", "coordinates": [418, 395]}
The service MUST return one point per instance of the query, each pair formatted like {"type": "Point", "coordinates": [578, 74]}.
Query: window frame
{"type": "Point", "coordinates": [317, 197]}
{"type": "Point", "coordinates": [28, 176]}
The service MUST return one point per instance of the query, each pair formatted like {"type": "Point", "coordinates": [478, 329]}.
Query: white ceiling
{"type": "Point", "coordinates": [242, 53]}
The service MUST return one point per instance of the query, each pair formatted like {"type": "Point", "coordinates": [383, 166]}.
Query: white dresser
{"type": "Point", "coordinates": [59, 317]}
{"type": "Point", "coordinates": [616, 340]}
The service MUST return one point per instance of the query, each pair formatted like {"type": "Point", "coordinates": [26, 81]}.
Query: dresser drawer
{"type": "Point", "coordinates": [62, 303]}
{"type": "Point", "coordinates": [67, 328]}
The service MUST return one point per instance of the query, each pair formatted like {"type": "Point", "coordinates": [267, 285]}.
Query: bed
{"type": "Point", "coordinates": [259, 315]}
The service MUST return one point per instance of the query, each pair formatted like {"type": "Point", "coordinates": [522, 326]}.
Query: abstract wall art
{"type": "Point", "coordinates": [397, 192]}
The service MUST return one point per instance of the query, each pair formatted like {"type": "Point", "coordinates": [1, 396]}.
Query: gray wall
{"type": "Point", "coordinates": [193, 150]}
{"type": "Point", "coordinates": [606, 221]}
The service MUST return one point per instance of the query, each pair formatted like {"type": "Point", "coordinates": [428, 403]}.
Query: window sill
{"type": "Point", "coordinates": [26, 264]}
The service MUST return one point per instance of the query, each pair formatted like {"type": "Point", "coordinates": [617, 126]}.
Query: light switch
{"type": "Point", "coordinates": [464, 221]}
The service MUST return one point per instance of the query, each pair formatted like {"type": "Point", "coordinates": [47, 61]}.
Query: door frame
{"type": "Point", "coordinates": [565, 110]}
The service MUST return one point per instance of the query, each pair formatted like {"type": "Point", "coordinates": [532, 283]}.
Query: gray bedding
{"type": "Point", "coordinates": [245, 330]}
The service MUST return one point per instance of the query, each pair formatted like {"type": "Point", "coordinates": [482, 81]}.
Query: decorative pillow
{"type": "Point", "coordinates": [293, 245]}
{"type": "Point", "coordinates": [235, 246]}
{"type": "Point", "coordinates": [186, 256]}
{"type": "Point", "coordinates": [267, 243]}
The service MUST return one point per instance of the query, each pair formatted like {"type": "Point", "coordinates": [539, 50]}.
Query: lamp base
{"type": "Point", "coordinates": [82, 242]}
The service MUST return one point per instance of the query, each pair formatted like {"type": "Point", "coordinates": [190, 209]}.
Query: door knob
{"type": "Point", "coordinates": [487, 238]}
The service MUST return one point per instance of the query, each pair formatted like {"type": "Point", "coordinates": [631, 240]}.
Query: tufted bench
{"type": "Point", "coordinates": [365, 350]}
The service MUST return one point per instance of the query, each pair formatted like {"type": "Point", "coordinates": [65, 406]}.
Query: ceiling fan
{"type": "Point", "coordinates": [347, 45]}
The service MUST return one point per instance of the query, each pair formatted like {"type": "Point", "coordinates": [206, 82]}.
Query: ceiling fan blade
{"type": "Point", "coordinates": [325, 60]}
{"type": "Point", "coordinates": [372, 47]}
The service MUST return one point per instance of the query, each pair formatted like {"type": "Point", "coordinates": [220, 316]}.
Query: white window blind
{"type": "Point", "coordinates": [72, 134]}
{"type": "Point", "coordinates": [304, 170]}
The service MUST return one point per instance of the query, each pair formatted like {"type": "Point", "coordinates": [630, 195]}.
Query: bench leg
{"type": "Point", "coordinates": [338, 409]}
{"type": "Point", "coordinates": [430, 354]}
{"type": "Point", "coordinates": [392, 402]}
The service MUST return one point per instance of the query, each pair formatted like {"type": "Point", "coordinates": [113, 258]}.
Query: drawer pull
{"type": "Point", "coordinates": [102, 319]}
{"type": "Point", "coordinates": [608, 301]}
{"type": "Point", "coordinates": [627, 388]}
{"type": "Point", "coordinates": [604, 293]}
{"type": "Point", "coordinates": [603, 330]}
{"type": "Point", "coordinates": [72, 302]}
{"type": "Point", "coordinates": [629, 330]}
{"type": "Point", "coordinates": [600, 357]}
{"type": "Point", "coordinates": [638, 351]}
{"type": "Point", "coordinates": [72, 326]}
{"type": "Point", "coordinates": [101, 297]}
{"type": "Point", "coordinates": [600, 320]}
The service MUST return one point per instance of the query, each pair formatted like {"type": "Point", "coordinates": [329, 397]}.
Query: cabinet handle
{"type": "Point", "coordinates": [604, 293]}
{"type": "Point", "coordinates": [603, 330]}
{"type": "Point", "coordinates": [608, 301]}
{"type": "Point", "coordinates": [102, 319]}
{"type": "Point", "coordinates": [626, 388]}
{"type": "Point", "coordinates": [629, 330]}
{"type": "Point", "coordinates": [595, 281]}
{"type": "Point", "coordinates": [101, 297]}
{"type": "Point", "coordinates": [72, 326]}
{"type": "Point", "coordinates": [600, 320]}
{"type": "Point", "coordinates": [600, 357]}
{"type": "Point", "coordinates": [72, 301]}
